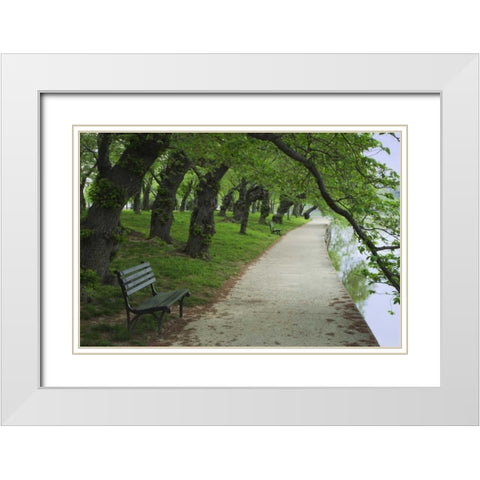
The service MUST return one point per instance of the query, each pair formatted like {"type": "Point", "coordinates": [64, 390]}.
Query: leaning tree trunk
{"type": "Point", "coordinates": [202, 223]}
{"type": "Point", "coordinates": [100, 240]}
{"type": "Point", "coordinates": [113, 186]}
{"type": "Point", "coordinates": [307, 213]}
{"type": "Point", "coordinates": [253, 194]}
{"type": "Point", "coordinates": [264, 208]}
{"type": "Point", "coordinates": [283, 208]}
{"type": "Point", "coordinates": [166, 198]}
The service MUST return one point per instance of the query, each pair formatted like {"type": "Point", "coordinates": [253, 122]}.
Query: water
{"type": "Point", "coordinates": [382, 316]}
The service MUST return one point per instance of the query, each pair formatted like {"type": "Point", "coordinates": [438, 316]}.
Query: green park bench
{"type": "Point", "coordinates": [140, 277]}
{"type": "Point", "coordinates": [274, 230]}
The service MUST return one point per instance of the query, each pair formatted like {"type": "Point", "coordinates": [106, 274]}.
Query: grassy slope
{"type": "Point", "coordinates": [229, 252]}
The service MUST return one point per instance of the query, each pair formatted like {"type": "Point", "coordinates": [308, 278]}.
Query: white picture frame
{"type": "Point", "coordinates": [26, 77]}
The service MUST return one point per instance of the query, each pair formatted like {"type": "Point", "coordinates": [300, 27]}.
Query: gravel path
{"type": "Point", "coordinates": [291, 296]}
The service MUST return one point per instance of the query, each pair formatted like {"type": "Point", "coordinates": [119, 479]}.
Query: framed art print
{"type": "Point", "coordinates": [68, 357]}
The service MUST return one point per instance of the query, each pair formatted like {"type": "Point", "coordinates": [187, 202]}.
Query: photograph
{"type": "Point", "coordinates": [259, 238]}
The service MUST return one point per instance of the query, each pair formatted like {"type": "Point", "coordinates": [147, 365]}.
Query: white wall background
{"type": "Point", "coordinates": [214, 26]}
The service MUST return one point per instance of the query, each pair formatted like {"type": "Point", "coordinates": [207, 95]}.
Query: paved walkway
{"type": "Point", "coordinates": [291, 296]}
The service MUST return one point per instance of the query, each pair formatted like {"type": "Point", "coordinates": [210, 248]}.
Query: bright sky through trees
{"type": "Point", "coordinates": [392, 160]}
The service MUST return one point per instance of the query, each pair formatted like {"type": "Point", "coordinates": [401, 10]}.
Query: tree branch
{"type": "Point", "coordinates": [156, 178]}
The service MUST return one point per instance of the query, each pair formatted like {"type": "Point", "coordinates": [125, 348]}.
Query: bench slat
{"type": "Point", "coordinates": [163, 299]}
{"type": "Point", "coordinates": [138, 274]}
{"type": "Point", "coordinates": [135, 268]}
{"type": "Point", "coordinates": [169, 298]}
{"type": "Point", "coordinates": [136, 281]}
{"type": "Point", "coordinates": [132, 290]}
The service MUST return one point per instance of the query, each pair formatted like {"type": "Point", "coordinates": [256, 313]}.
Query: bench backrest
{"type": "Point", "coordinates": [135, 278]}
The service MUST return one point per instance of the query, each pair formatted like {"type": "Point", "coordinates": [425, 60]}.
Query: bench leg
{"type": "Point", "coordinates": [160, 322]}
{"type": "Point", "coordinates": [131, 323]}
{"type": "Point", "coordinates": [181, 308]}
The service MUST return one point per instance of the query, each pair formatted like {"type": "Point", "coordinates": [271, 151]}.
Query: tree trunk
{"type": "Point", "coordinates": [240, 203]}
{"type": "Point", "coordinates": [309, 211]}
{"type": "Point", "coordinates": [113, 186]}
{"type": "Point", "coordinates": [253, 194]}
{"type": "Point", "coordinates": [83, 202]}
{"type": "Point", "coordinates": [100, 241]}
{"type": "Point", "coordinates": [226, 203]}
{"type": "Point", "coordinates": [283, 208]}
{"type": "Point", "coordinates": [297, 209]}
{"type": "Point", "coordinates": [264, 208]}
{"type": "Point", "coordinates": [146, 189]}
{"type": "Point", "coordinates": [183, 203]}
{"type": "Point", "coordinates": [202, 223]}
{"type": "Point", "coordinates": [166, 197]}
{"type": "Point", "coordinates": [136, 203]}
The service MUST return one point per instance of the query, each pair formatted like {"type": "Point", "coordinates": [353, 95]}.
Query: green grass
{"type": "Point", "coordinates": [229, 252]}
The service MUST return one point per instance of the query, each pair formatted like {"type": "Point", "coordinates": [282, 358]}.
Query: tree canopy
{"type": "Point", "coordinates": [335, 171]}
